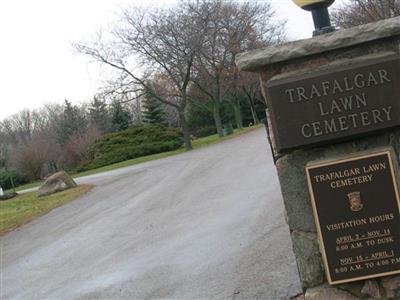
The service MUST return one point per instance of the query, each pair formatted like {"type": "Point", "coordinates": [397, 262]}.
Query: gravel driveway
{"type": "Point", "coordinates": [207, 224]}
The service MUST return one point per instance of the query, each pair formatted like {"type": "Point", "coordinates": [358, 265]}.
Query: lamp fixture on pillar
{"type": "Point", "coordinates": [320, 14]}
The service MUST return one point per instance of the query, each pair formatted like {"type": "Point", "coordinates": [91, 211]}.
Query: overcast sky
{"type": "Point", "coordinates": [38, 64]}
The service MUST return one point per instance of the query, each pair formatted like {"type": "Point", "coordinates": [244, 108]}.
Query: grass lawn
{"type": "Point", "coordinates": [198, 143]}
{"type": "Point", "coordinates": [26, 207]}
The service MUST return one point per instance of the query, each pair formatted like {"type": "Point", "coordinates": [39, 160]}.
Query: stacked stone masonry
{"type": "Point", "coordinates": [343, 47]}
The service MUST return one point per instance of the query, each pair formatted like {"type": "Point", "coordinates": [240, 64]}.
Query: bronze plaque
{"type": "Point", "coordinates": [328, 106]}
{"type": "Point", "coordinates": [357, 214]}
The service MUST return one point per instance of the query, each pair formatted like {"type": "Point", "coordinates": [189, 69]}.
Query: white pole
{"type": "Point", "coordinates": [1, 191]}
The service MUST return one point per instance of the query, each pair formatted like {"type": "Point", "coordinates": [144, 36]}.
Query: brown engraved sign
{"type": "Point", "coordinates": [331, 105]}
{"type": "Point", "coordinates": [357, 212]}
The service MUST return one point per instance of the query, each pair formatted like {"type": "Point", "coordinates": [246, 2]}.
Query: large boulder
{"type": "Point", "coordinates": [57, 182]}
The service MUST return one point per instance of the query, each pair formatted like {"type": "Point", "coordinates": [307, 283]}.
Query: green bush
{"type": "Point", "coordinates": [132, 143]}
{"type": "Point", "coordinates": [5, 178]}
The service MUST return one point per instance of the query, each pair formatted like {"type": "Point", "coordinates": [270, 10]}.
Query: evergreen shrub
{"type": "Point", "coordinates": [133, 142]}
{"type": "Point", "coordinates": [5, 178]}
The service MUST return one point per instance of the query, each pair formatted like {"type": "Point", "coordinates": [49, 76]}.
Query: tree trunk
{"type": "Point", "coordinates": [217, 108]}
{"type": "Point", "coordinates": [238, 114]}
{"type": "Point", "coordinates": [253, 110]}
{"type": "Point", "coordinates": [53, 166]}
{"type": "Point", "coordinates": [254, 115]}
{"type": "Point", "coordinates": [217, 119]}
{"type": "Point", "coordinates": [185, 131]}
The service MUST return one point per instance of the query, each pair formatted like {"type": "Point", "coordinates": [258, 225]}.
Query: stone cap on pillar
{"type": "Point", "coordinates": [253, 61]}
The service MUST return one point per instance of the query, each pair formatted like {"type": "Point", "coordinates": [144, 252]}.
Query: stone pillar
{"type": "Point", "coordinates": [293, 59]}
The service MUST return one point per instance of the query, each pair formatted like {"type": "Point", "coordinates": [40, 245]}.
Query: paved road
{"type": "Point", "coordinates": [207, 224]}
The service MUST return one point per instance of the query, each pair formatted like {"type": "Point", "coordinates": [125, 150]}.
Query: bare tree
{"type": "Point", "coordinates": [244, 89]}
{"type": "Point", "coordinates": [80, 147]}
{"type": "Point", "coordinates": [250, 85]}
{"type": "Point", "coordinates": [146, 43]}
{"type": "Point", "coordinates": [358, 12]}
{"type": "Point", "coordinates": [230, 29]}
{"type": "Point", "coordinates": [4, 148]}
{"type": "Point", "coordinates": [30, 141]}
{"type": "Point", "coordinates": [30, 157]}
